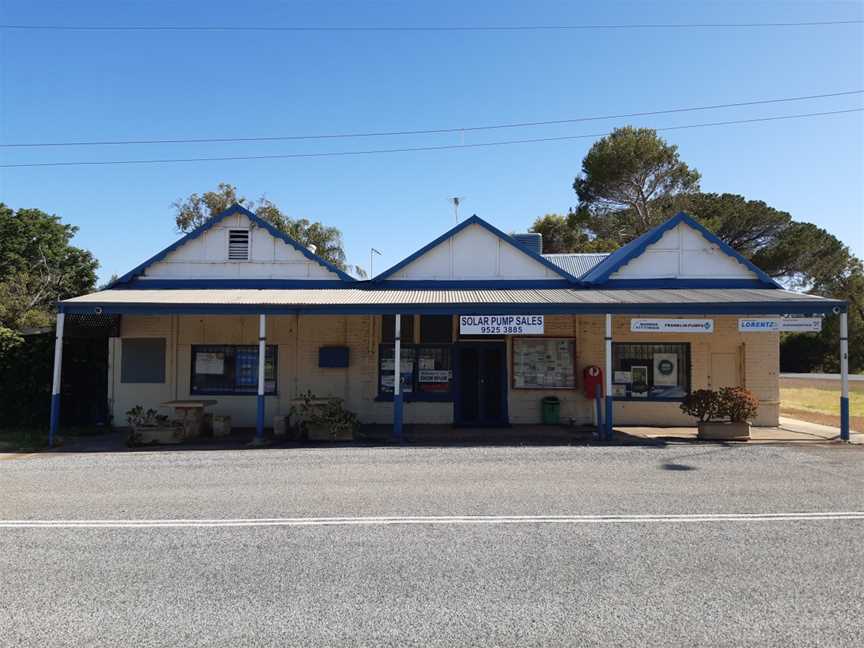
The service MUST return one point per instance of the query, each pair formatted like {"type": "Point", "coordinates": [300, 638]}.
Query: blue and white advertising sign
{"type": "Point", "coordinates": [672, 325]}
{"type": "Point", "coordinates": [774, 324]}
{"type": "Point", "coordinates": [501, 324]}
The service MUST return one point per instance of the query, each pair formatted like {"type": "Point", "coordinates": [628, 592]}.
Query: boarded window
{"type": "Point", "coordinates": [238, 245]}
{"type": "Point", "coordinates": [142, 360]}
{"type": "Point", "coordinates": [436, 329]}
{"type": "Point", "coordinates": [388, 327]}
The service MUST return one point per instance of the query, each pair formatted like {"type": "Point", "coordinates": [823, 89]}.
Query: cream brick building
{"type": "Point", "coordinates": [488, 327]}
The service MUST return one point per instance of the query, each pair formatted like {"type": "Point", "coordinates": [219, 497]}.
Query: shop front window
{"type": "Point", "coordinates": [650, 371]}
{"type": "Point", "coordinates": [229, 369]}
{"type": "Point", "coordinates": [425, 370]}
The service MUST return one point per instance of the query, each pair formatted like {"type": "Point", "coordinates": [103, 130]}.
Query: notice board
{"type": "Point", "coordinates": [544, 363]}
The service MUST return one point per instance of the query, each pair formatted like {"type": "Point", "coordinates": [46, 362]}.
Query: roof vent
{"type": "Point", "coordinates": [238, 245]}
{"type": "Point", "coordinates": [531, 240]}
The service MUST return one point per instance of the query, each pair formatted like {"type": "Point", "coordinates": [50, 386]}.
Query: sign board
{"type": "Point", "coordinates": [210, 363]}
{"type": "Point", "coordinates": [672, 325]}
{"type": "Point", "coordinates": [501, 324]}
{"type": "Point", "coordinates": [774, 324]}
{"type": "Point", "coordinates": [433, 376]}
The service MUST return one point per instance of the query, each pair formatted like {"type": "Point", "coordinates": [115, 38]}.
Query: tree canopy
{"type": "Point", "coordinates": [195, 210]}
{"type": "Point", "coordinates": [630, 169]}
{"type": "Point", "coordinates": [38, 267]}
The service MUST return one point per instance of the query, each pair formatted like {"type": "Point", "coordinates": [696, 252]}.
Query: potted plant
{"type": "Point", "coordinates": [324, 419]}
{"type": "Point", "coordinates": [723, 415]}
{"type": "Point", "coordinates": [148, 426]}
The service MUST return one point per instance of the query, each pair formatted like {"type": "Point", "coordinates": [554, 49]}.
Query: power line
{"type": "Point", "coordinates": [414, 148]}
{"type": "Point", "coordinates": [430, 131]}
{"type": "Point", "coordinates": [426, 28]}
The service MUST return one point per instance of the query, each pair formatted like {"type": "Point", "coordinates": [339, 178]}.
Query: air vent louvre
{"type": "Point", "coordinates": [238, 245]}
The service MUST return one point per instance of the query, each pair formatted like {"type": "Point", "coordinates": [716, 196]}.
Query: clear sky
{"type": "Point", "coordinates": [80, 85]}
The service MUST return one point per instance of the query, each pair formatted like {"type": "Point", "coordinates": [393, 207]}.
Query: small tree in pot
{"type": "Point", "coordinates": [722, 415]}
{"type": "Point", "coordinates": [151, 427]}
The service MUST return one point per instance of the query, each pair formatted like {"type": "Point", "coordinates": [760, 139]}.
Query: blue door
{"type": "Point", "coordinates": [480, 384]}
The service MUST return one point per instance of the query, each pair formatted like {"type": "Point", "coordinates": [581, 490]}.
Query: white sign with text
{"type": "Point", "coordinates": [672, 325]}
{"type": "Point", "coordinates": [501, 324]}
{"type": "Point", "coordinates": [774, 324]}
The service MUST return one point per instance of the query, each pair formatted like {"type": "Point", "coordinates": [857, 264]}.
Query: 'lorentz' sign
{"type": "Point", "coordinates": [501, 324]}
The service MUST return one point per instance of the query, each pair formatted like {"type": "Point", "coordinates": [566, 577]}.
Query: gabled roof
{"type": "Point", "coordinates": [474, 220]}
{"type": "Point", "coordinates": [232, 210]}
{"type": "Point", "coordinates": [623, 255]}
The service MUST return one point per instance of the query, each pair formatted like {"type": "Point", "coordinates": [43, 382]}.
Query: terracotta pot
{"type": "Point", "coordinates": [724, 431]}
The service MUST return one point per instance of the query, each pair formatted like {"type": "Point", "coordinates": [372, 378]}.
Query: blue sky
{"type": "Point", "coordinates": [62, 86]}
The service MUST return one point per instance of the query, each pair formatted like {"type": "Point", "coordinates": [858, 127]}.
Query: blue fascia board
{"type": "Point", "coordinates": [474, 220]}
{"type": "Point", "coordinates": [600, 273]}
{"type": "Point", "coordinates": [469, 284]}
{"type": "Point", "coordinates": [687, 308]}
{"type": "Point", "coordinates": [198, 231]}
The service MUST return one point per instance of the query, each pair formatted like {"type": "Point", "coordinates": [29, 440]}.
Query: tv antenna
{"type": "Point", "coordinates": [456, 200]}
{"type": "Point", "coordinates": [372, 252]}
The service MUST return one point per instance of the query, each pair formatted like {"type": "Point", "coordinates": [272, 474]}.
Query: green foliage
{"type": "Point", "coordinates": [139, 417]}
{"type": "Point", "coordinates": [629, 169]}
{"type": "Point", "coordinates": [25, 379]}
{"type": "Point", "coordinates": [38, 267]}
{"type": "Point", "coordinates": [195, 210]}
{"type": "Point", "coordinates": [733, 403]}
{"type": "Point", "coordinates": [702, 403]}
{"type": "Point", "coordinates": [328, 413]}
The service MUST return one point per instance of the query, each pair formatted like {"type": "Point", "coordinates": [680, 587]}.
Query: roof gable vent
{"type": "Point", "coordinates": [238, 245]}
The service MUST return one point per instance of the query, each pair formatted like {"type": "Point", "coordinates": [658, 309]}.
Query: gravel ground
{"type": "Point", "coordinates": [790, 583]}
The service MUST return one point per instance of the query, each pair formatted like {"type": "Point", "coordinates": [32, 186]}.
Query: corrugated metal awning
{"type": "Point", "coordinates": [377, 301]}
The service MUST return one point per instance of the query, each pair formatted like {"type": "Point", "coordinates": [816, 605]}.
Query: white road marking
{"type": "Point", "coordinates": [435, 519]}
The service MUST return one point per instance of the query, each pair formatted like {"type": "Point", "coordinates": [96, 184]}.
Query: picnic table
{"type": "Point", "coordinates": [190, 413]}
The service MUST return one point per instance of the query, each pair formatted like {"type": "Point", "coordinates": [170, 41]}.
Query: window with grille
{"type": "Point", "coordinates": [238, 245]}
{"type": "Point", "coordinates": [651, 371]}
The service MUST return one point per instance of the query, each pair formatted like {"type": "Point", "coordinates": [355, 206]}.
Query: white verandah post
{"type": "Point", "coordinates": [607, 386]}
{"type": "Point", "coordinates": [844, 376]}
{"type": "Point", "coordinates": [55, 382]}
{"type": "Point", "coordinates": [262, 354]}
{"type": "Point", "coordinates": [397, 378]}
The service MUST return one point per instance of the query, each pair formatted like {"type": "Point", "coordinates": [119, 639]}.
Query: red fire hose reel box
{"type": "Point", "coordinates": [592, 381]}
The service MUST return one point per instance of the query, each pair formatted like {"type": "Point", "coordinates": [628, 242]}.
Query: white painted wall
{"type": "Point", "coordinates": [683, 253]}
{"type": "Point", "coordinates": [206, 257]}
{"type": "Point", "coordinates": [474, 253]}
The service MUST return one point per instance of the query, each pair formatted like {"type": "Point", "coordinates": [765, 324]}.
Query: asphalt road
{"type": "Point", "coordinates": [697, 581]}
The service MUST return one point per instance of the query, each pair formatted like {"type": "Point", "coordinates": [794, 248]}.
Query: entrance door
{"type": "Point", "coordinates": [724, 371]}
{"type": "Point", "coordinates": [480, 384]}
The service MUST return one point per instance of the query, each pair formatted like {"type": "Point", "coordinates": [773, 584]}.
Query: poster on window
{"type": "Point", "coordinates": [666, 369]}
{"type": "Point", "coordinates": [209, 363]}
{"type": "Point", "coordinates": [544, 363]}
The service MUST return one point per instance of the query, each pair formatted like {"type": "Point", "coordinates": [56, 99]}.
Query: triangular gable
{"type": "Point", "coordinates": [679, 250]}
{"type": "Point", "coordinates": [474, 250]}
{"type": "Point", "coordinates": [202, 255]}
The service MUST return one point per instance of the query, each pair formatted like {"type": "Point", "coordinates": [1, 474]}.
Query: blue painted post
{"type": "Point", "coordinates": [608, 378]}
{"type": "Point", "coordinates": [262, 353]}
{"type": "Point", "coordinates": [55, 383]}
{"type": "Point", "coordinates": [397, 379]}
{"type": "Point", "coordinates": [844, 376]}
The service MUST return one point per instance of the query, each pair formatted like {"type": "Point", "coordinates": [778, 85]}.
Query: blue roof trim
{"type": "Point", "coordinates": [647, 284]}
{"type": "Point", "coordinates": [683, 308]}
{"type": "Point", "coordinates": [474, 220]}
{"type": "Point", "coordinates": [468, 284]}
{"type": "Point", "coordinates": [623, 255]}
{"type": "Point", "coordinates": [198, 231]}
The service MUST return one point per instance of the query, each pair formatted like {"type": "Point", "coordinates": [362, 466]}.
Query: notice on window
{"type": "Point", "coordinates": [666, 369]}
{"type": "Point", "coordinates": [544, 364]}
{"type": "Point", "coordinates": [210, 363]}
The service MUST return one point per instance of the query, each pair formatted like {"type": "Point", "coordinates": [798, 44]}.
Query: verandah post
{"type": "Point", "coordinates": [262, 354]}
{"type": "Point", "coordinates": [397, 378]}
{"type": "Point", "coordinates": [55, 382]}
{"type": "Point", "coordinates": [844, 376]}
{"type": "Point", "coordinates": [607, 387]}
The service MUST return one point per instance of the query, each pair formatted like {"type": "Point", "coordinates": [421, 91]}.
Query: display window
{"type": "Point", "coordinates": [650, 371]}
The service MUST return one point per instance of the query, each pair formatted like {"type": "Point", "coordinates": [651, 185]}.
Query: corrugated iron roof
{"type": "Point", "coordinates": [576, 264]}
{"type": "Point", "coordinates": [543, 299]}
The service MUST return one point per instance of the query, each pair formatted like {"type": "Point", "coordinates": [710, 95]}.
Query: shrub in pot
{"type": "Point", "coordinates": [148, 426]}
{"type": "Point", "coordinates": [722, 415]}
{"type": "Point", "coordinates": [324, 419]}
